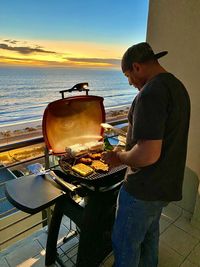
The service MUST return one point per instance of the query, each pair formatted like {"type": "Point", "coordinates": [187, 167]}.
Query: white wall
{"type": "Point", "coordinates": [174, 25]}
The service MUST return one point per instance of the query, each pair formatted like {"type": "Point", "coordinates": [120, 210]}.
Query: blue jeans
{"type": "Point", "coordinates": [135, 234]}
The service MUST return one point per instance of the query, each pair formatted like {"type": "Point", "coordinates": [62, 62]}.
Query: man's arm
{"type": "Point", "coordinates": [144, 153]}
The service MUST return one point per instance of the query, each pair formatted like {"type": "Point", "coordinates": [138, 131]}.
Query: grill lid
{"type": "Point", "coordinates": [73, 120]}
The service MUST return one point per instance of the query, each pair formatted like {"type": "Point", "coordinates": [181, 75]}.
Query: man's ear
{"type": "Point", "coordinates": [136, 66]}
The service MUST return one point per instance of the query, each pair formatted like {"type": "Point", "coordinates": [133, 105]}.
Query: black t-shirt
{"type": "Point", "coordinates": [161, 110]}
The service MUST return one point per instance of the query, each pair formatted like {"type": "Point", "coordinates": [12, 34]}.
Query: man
{"type": "Point", "coordinates": [155, 155]}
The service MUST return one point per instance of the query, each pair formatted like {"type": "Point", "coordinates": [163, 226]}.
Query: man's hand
{"type": "Point", "coordinates": [111, 158]}
{"type": "Point", "coordinates": [144, 153]}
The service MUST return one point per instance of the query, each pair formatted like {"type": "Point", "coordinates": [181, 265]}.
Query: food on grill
{"type": "Point", "coordinates": [80, 149]}
{"type": "Point", "coordinates": [95, 146]}
{"type": "Point", "coordinates": [94, 155]}
{"type": "Point", "coordinates": [86, 161]}
{"type": "Point", "coordinates": [82, 169]}
{"type": "Point", "coordinates": [77, 150]}
{"type": "Point", "coordinates": [99, 166]}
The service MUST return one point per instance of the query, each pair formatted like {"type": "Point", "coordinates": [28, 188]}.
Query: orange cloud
{"type": "Point", "coordinates": [62, 54]}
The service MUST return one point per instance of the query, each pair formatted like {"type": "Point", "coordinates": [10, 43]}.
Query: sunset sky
{"type": "Point", "coordinates": [63, 33]}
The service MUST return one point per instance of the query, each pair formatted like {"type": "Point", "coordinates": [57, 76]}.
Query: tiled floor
{"type": "Point", "coordinates": [179, 245]}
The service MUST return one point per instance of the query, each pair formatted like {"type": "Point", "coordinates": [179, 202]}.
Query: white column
{"type": "Point", "coordinates": [174, 25]}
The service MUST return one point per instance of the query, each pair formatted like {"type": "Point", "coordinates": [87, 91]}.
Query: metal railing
{"type": "Point", "coordinates": [21, 144]}
{"type": "Point", "coordinates": [13, 210]}
{"type": "Point", "coordinates": [20, 232]}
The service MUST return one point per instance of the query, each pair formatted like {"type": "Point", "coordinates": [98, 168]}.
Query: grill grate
{"type": "Point", "coordinates": [94, 177]}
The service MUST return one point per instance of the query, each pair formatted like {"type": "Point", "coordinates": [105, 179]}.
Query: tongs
{"type": "Point", "coordinates": [74, 189]}
{"type": "Point", "coordinates": [51, 174]}
{"type": "Point", "coordinates": [116, 130]}
{"type": "Point", "coordinates": [38, 169]}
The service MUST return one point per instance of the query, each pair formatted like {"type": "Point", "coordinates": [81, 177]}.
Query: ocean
{"type": "Point", "coordinates": [25, 92]}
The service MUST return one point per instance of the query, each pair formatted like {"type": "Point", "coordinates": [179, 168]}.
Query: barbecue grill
{"type": "Point", "coordinates": [73, 120]}
{"type": "Point", "coordinates": [67, 122]}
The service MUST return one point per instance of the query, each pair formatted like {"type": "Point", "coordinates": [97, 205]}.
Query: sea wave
{"type": "Point", "coordinates": [25, 92]}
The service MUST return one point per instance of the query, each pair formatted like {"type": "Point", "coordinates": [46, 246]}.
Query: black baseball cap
{"type": "Point", "coordinates": [141, 52]}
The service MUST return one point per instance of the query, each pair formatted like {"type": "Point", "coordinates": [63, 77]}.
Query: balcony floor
{"type": "Point", "coordinates": [179, 245]}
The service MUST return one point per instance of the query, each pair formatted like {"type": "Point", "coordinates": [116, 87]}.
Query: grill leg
{"type": "Point", "coordinates": [95, 222]}
{"type": "Point", "coordinates": [65, 205]}
{"type": "Point", "coordinates": [95, 236]}
{"type": "Point", "coordinates": [51, 247]}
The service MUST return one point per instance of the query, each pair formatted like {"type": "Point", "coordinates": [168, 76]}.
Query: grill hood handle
{"type": "Point", "coordinates": [77, 87]}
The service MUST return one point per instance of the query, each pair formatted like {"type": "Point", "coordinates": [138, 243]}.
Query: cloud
{"type": "Point", "coordinates": [28, 60]}
{"type": "Point", "coordinates": [16, 58]}
{"type": "Point", "coordinates": [31, 61]}
{"type": "Point", "coordinates": [10, 41]}
{"type": "Point", "coordinates": [25, 49]}
{"type": "Point", "coordinates": [75, 62]}
{"type": "Point", "coordinates": [111, 61]}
